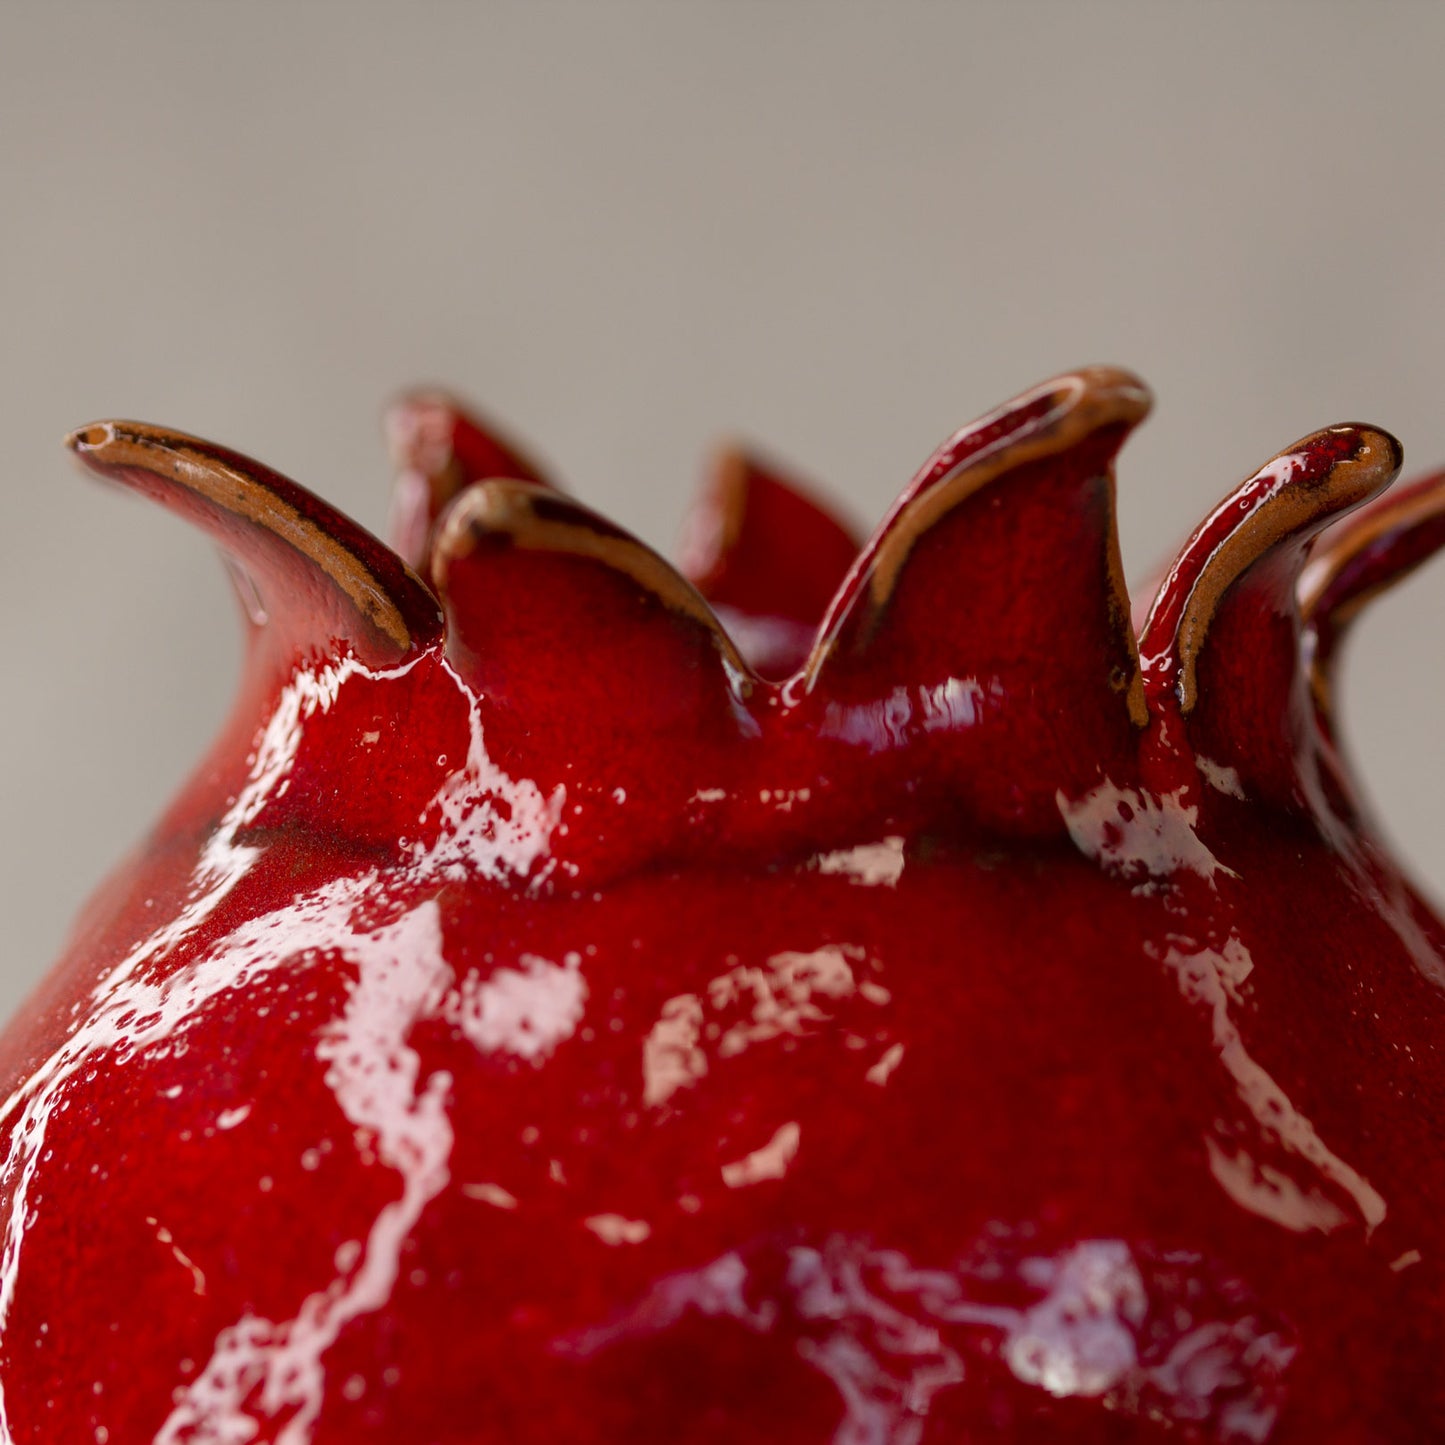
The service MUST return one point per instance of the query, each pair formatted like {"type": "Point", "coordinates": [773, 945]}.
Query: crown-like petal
{"type": "Point", "coordinates": [311, 580]}
{"type": "Point", "coordinates": [1222, 645]}
{"type": "Point", "coordinates": [976, 666]}
{"type": "Point", "coordinates": [439, 447]}
{"type": "Point", "coordinates": [768, 557]}
{"type": "Point", "coordinates": [599, 667]}
{"type": "Point", "coordinates": [323, 600]}
{"type": "Point", "coordinates": [986, 623]}
{"type": "Point", "coordinates": [1356, 561]}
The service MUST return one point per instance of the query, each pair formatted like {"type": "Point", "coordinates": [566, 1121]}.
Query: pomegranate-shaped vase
{"type": "Point", "coordinates": [818, 995]}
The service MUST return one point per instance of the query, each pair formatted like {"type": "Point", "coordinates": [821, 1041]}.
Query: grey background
{"type": "Point", "coordinates": [625, 229]}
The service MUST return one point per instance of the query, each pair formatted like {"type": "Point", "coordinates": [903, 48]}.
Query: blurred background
{"type": "Point", "coordinates": [627, 229]}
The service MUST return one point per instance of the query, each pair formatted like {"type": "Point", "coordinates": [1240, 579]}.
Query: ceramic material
{"type": "Point", "coordinates": [914, 1012]}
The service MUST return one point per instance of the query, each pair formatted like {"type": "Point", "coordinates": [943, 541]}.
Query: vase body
{"type": "Point", "coordinates": [972, 1025]}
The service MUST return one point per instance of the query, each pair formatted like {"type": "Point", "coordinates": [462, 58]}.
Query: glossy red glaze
{"type": "Point", "coordinates": [551, 1024]}
{"type": "Point", "coordinates": [767, 558]}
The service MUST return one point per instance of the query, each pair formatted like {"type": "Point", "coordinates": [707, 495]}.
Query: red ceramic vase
{"type": "Point", "coordinates": [822, 995]}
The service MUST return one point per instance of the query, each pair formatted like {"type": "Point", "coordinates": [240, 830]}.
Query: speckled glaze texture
{"type": "Point", "coordinates": [818, 996]}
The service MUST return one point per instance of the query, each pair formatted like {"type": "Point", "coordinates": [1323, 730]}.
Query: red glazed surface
{"type": "Point", "coordinates": [922, 1016]}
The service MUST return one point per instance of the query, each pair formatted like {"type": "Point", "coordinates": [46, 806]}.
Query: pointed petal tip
{"type": "Point", "coordinates": [503, 514]}
{"type": "Point", "coordinates": [1391, 451]}
{"type": "Point", "coordinates": [1089, 399]}
{"type": "Point", "coordinates": [1053, 417]}
{"type": "Point", "coordinates": [431, 430]}
{"type": "Point", "coordinates": [92, 438]}
{"type": "Point", "coordinates": [1347, 465]}
{"type": "Point", "coordinates": [111, 446]}
{"type": "Point", "coordinates": [411, 420]}
{"type": "Point", "coordinates": [737, 464]}
{"type": "Point", "coordinates": [502, 507]}
{"type": "Point", "coordinates": [1113, 389]}
{"type": "Point", "coordinates": [497, 511]}
{"type": "Point", "coordinates": [1371, 551]}
{"type": "Point", "coordinates": [1360, 559]}
{"type": "Point", "coordinates": [438, 447]}
{"type": "Point", "coordinates": [766, 552]}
